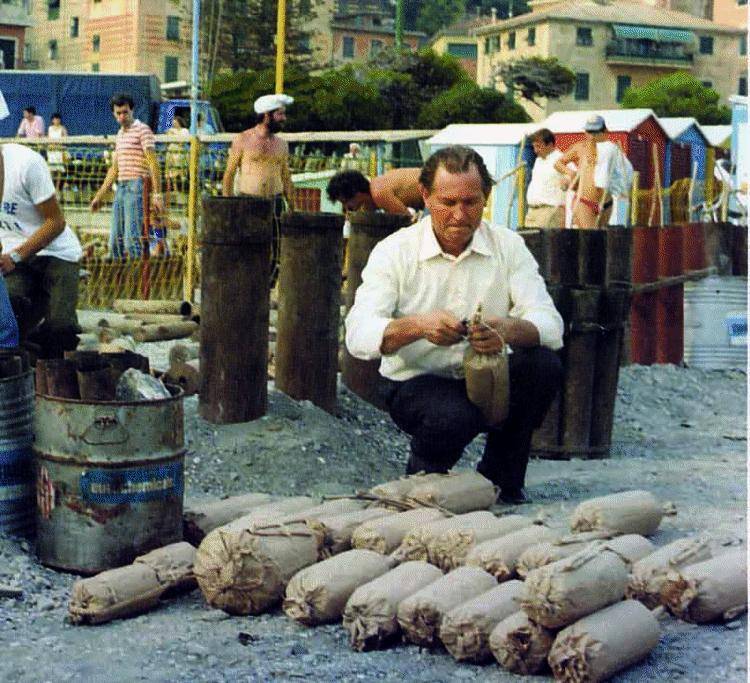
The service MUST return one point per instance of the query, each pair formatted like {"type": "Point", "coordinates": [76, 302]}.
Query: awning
{"type": "Point", "coordinates": [662, 35]}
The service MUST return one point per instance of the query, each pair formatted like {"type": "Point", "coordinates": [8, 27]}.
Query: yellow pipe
{"type": "Point", "coordinates": [521, 180]}
{"type": "Point", "coordinates": [188, 283]}
{"type": "Point", "coordinates": [634, 199]}
{"type": "Point", "coordinates": [280, 44]}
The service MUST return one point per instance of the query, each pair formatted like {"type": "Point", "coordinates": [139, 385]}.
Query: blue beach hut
{"type": "Point", "coordinates": [502, 146]}
{"type": "Point", "coordinates": [686, 147]}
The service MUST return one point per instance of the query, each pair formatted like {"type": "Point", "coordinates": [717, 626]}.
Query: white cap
{"type": "Point", "coordinates": [267, 103]}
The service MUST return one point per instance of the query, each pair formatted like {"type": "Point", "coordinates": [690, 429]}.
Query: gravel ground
{"type": "Point", "coordinates": [680, 433]}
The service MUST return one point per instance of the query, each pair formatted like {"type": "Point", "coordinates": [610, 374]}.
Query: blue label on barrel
{"type": "Point", "coordinates": [133, 485]}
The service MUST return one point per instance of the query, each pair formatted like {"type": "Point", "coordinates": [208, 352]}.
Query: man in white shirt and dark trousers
{"type": "Point", "coordinates": [40, 254]}
{"type": "Point", "coordinates": [545, 198]}
{"type": "Point", "coordinates": [419, 288]}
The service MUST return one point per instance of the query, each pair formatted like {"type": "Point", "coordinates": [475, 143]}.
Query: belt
{"type": "Point", "coordinates": [545, 206]}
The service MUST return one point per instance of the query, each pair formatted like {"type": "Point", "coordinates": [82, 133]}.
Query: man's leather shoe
{"type": "Point", "coordinates": [514, 496]}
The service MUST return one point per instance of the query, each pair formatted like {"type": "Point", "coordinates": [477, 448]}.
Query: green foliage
{"type": "Point", "coordinates": [412, 10]}
{"type": "Point", "coordinates": [679, 94]}
{"type": "Point", "coordinates": [436, 14]}
{"type": "Point", "coordinates": [466, 102]}
{"type": "Point", "coordinates": [535, 77]}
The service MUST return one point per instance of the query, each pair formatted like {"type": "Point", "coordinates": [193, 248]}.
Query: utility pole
{"type": "Point", "coordinates": [399, 25]}
{"type": "Point", "coordinates": [280, 44]}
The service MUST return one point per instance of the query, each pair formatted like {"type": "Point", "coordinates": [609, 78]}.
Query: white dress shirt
{"type": "Point", "coordinates": [544, 188]}
{"type": "Point", "coordinates": [408, 273]}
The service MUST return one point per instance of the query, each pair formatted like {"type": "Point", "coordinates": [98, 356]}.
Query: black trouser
{"type": "Point", "coordinates": [442, 421]}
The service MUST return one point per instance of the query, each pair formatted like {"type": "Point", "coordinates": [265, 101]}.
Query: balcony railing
{"type": "Point", "coordinates": [646, 52]}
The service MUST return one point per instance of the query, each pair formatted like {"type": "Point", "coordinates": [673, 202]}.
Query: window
{"type": "Point", "coordinates": [95, 65]}
{"type": "Point", "coordinates": [742, 2]}
{"type": "Point", "coordinates": [531, 36]}
{"type": "Point", "coordinates": [27, 52]}
{"type": "Point", "coordinates": [53, 52]}
{"type": "Point", "coordinates": [486, 46]}
{"type": "Point", "coordinates": [707, 84]}
{"type": "Point", "coordinates": [173, 28]}
{"type": "Point", "coordinates": [584, 37]}
{"type": "Point", "coordinates": [304, 43]}
{"type": "Point", "coordinates": [582, 87]}
{"type": "Point", "coordinates": [496, 42]}
{"type": "Point", "coordinates": [462, 51]}
{"type": "Point", "coordinates": [96, 43]}
{"type": "Point", "coordinates": [742, 87]}
{"type": "Point", "coordinates": [347, 47]}
{"type": "Point", "coordinates": [512, 40]}
{"type": "Point", "coordinates": [623, 83]}
{"type": "Point", "coordinates": [375, 47]}
{"type": "Point", "coordinates": [743, 45]}
{"type": "Point", "coordinates": [74, 27]}
{"type": "Point", "coordinates": [53, 9]}
{"type": "Point", "coordinates": [171, 69]}
{"type": "Point", "coordinates": [706, 46]}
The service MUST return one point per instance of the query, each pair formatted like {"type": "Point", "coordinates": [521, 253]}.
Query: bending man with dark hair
{"type": "Point", "coordinates": [545, 198]}
{"type": "Point", "coordinates": [395, 191]}
{"type": "Point", "coordinates": [420, 286]}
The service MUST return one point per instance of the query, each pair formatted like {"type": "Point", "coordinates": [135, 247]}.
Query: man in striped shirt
{"type": "Point", "coordinates": [134, 158]}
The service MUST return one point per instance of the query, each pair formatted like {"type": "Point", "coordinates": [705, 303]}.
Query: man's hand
{"type": "Point", "coordinates": [6, 264]}
{"type": "Point", "coordinates": [486, 337]}
{"type": "Point", "coordinates": [96, 203]}
{"type": "Point", "coordinates": [442, 328]}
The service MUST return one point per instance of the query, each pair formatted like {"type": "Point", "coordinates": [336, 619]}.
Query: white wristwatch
{"type": "Point", "coordinates": [15, 257]}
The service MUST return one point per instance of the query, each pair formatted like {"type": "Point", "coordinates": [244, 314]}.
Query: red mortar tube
{"type": "Point", "coordinates": [643, 308]}
{"type": "Point", "coordinates": [669, 314]}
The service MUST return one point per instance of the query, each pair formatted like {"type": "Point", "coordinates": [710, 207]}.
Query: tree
{"type": "Point", "coordinates": [535, 77]}
{"type": "Point", "coordinates": [679, 94]}
{"type": "Point", "coordinates": [466, 102]}
{"type": "Point", "coordinates": [436, 14]}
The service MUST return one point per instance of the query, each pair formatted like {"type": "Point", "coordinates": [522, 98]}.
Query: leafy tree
{"type": "Point", "coordinates": [436, 14]}
{"type": "Point", "coordinates": [535, 77]}
{"type": "Point", "coordinates": [466, 102]}
{"type": "Point", "coordinates": [679, 94]}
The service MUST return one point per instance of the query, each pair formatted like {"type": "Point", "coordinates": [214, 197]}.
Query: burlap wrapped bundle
{"type": "Point", "coordinates": [629, 512]}
{"type": "Point", "coordinates": [335, 531]}
{"type": "Point", "coordinates": [243, 571]}
{"type": "Point", "coordinates": [458, 492]}
{"type": "Point", "coordinates": [318, 594]}
{"type": "Point", "coordinates": [709, 590]}
{"type": "Point", "coordinates": [630, 548]}
{"type": "Point", "coordinates": [499, 556]}
{"type": "Point", "coordinates": [541, 554]}
{"type": "Point", "coordinates": [559, 593]}
{"type": "Point", "coordinates": [416, 542]}
{"type": "Point", "coordinates": [198, 519]}
{"type": "Point", "coordinates": [329, 508]}
{"type": "Point", "coordinates": [601, 644]}
{"type": "Point", "coordinates": [521, 645]}
{"type": "Point", "coordinates": [399, 489]}
{"type": "Point", "coordinates": [370, 613]}
{"type": "Point", "coordinates": [465, 630]}
{"type": "Point", "coordinates": [648, 574]}
{"type": "Point", "coordinates": [134, 588]}
{"type": "Point", "coordinates": [420, 614]}
{"type": "Point", "coordinates": [449, 549]}
{"type": "Point", "coordinates": [385, 534]}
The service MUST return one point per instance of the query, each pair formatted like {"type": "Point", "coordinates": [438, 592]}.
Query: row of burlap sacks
{"type": "Point", "coordinates": [529, 595]}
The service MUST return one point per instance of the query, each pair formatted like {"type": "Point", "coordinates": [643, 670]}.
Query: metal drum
{"type": "Point", "coordinates": [109, 480]}
{"type": "Point", "coordinates": [16, 462]}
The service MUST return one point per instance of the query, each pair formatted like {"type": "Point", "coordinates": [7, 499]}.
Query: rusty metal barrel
{"type": "Point", "coordinates": [16, 460]}
{"type": "Point", "coordinates": [367, 229]}
{"type": "Point", "coordinates": [109, 479]}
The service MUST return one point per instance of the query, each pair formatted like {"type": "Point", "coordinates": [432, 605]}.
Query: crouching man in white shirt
{"type": "Point", "coordinates": [40, 254]}
{"type": "Point", "coordinates": [419, 287]}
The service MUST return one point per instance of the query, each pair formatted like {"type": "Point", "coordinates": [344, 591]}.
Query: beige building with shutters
{"type": "Point", "coordinates": [611, 45]}
{"type": "Point", "coordinates": [115, 36]}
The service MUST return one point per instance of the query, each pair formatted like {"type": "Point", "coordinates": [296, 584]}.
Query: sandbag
{"type": "Point", "coordinates": [521, 645]}
{"type": "Point", "coordinates": [132, 589]}
{"type": "Point", "coordinates": [601, 644]}
{"type": "Point", "coordinates": [198, 518]}
{"type": "Point", "coordinates": [420, 614]}
{"type": "Point", "coordinates": [329, 508]}
{"type": "Point", "coordinates": [562, 592]}
{"type": "Point", "coordinates": [629, 512]}
{"type": "Point", "coordinates": [415, 543]}
{"type": "Point", "coordinates": [318, 594]}
{"type": "Point", "coordinates": [711, 590]}
{"type": "Point", "coordinates": [399, 489]}
{"type": "Point", "coordinates": [648, 574]}
{"type": "Point", "coordinates": [488, 383]}
{"type": "Point", "coordinates": [370, 613]}
{"type": "Point", "coordinates": [499, 556]}
{"type": "Point", "coordinates": [335, 531]}
{"type": "Point", "coordinates": [243, 571]}
{"type": "Point", "coordinates": [449, 548]}
{"type": "Point", "coordinates": [547, 552]}
{"type": "Point", "coordinates": [465, 630]}
{"type": "Point", "coordinates": [458, 492]}
{"type": "Point", "coordinates": [630, 548]}
{"type": "Point", "coordinates": [385, 534]}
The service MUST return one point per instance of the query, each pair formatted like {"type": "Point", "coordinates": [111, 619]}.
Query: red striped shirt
{"type": "Point", "coordinates": [130, 146]}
